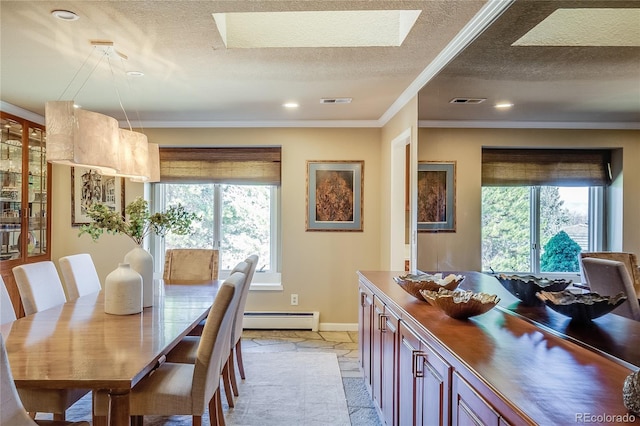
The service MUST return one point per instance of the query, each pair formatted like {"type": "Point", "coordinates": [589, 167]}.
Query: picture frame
{"type": "Point", "coordinates": [437, 196]}
{"type": "Point", "coordinates": [335, 196]}
{"type": "Point", "coordinates": [89, 186]}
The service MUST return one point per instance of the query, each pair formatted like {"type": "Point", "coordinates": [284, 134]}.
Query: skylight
{"type": "Point", "coordinates": [360, 28]}
{"type": "Point", "coordinates": [586, 27]}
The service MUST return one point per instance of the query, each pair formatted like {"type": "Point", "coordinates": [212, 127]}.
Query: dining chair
{"type": "Point", "coordinates": [79, 275]}
{"type": "Point", "coordinates": [186, 350]}
{"type": "Point", "coordinates": [189, 389]}
{"type": "Point", "coordinates": [630, 261]}
{"type": "Point", "coordinates": [7, 313]}
{"type": "Point", "coordinates": [190, 264]}
{"type": "Point", "coordinates": [12, 412]}
{"type": "Point", "coordinates": [608, 278]}
{"type": "Point", "coordinates": [39, 286]}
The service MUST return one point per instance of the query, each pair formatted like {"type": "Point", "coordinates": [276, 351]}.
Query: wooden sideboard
{"type": "Point", "coordinates": [510, 366]}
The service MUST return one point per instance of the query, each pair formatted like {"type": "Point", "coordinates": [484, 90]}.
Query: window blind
{"type": "Point", "coordinates": [553, 167]}
{"type": "Point", "coordinates": [250, 165]}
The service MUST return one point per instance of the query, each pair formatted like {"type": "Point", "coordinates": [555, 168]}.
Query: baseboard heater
{"type": "Point", "coordinates": [281, 320]}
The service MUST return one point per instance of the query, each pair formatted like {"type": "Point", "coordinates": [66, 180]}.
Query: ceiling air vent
{"type": "Point", "coordinates": [335, 100]}
{"type": "Point", "coordinates": [467, 100]}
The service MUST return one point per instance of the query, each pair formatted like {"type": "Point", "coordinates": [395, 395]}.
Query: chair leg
{"type": "Point", "coordinates": [59, 417]}
{"type": "Point", "coordinates": [232, 374]}
{"type": "Point", "coordinates": [197, 421]}
{"type": "Point", "coordinates": [137, 420]}
{"type": "Point", "coordinates": [221, 421]}
{"type": "Point", "coordinates": [213, 409]}
{"type": "Point", "coordinates": [226, 381]}
{"type": "Point", "coordinates": [239, 358]}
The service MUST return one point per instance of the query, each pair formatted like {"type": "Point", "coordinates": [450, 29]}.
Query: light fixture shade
{"type": "Point", "coordinates": [133, 155]}
{"type": "Point", "coordinates": [152, 173]}
{"type": "Point", "coordinates": [81, 138]}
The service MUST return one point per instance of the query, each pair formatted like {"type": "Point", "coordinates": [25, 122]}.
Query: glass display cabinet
{"type": "Point", "coordinates": [24, 204]}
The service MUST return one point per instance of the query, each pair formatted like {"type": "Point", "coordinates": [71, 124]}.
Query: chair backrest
{"type": "Point", "coordinates": [610, 277]}
{"type": "Point", "coordinates": [191, 264]}
{"type": "Point", "coordinates": [213, 348]}
{"type": "Point", "coordinates": [7, 313]}
{"type": "Point", "coordinates": [236, 332]}
{"type": "Point", "coordinates": [244, 268]}
{"type": "Point", "coordinates": [12, 412]}
{"type": "Point", "coordinates": [39, 286]}
{"type": "Point", "coordinates": [79, 275]}
{"type": "Point", "coordinates": [629, 259]}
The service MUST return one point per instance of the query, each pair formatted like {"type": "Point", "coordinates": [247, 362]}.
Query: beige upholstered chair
{"type": "Point", "coordinates": [191, 264]}
{"type": "Point", "coordinates": [188, 389]}
{"type": "Point", "coordinates": [40, 288]}
{"type": "Point", "coordinates": [186, 350]}
{"type": "Point", "coordinates": [610, 277]}
{"type": "Point", "coordinates": [12, 412]}
{"type": "Point", "coordinates": [7, 313]}
{"type": "Point", "coordinates": [79, 275]}
{"type": "Point", "coordinates": [629, 259]}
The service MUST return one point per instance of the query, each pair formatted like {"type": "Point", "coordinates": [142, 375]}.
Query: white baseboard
{"type": "Point", "coordinates": [338, 326]}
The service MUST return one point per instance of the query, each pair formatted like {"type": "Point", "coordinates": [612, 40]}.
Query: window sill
{"type": "Point", "coordinates": [266, 287]}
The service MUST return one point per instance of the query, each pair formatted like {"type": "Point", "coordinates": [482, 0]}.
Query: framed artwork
{"type": "Point", "coordinates": [334, 195]}
{"type": "Point", "coordinates": [436, 197]}
{"type": "Point", "coordinates": [87, 187]}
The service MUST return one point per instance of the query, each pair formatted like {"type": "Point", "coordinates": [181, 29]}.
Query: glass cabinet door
{"type": "Point", "coordinates": [37, 193]}
{"type": "Point", "coordinates": [11, 190]}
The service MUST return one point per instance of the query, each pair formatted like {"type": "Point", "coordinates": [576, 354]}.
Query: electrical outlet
{"type": "Point", "coordinates": [294, 299]}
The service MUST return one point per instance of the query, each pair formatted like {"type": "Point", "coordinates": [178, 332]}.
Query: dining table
{"type": "Point", "coordinates": [77, 345]}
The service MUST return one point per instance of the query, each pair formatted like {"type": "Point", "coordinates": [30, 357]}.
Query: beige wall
{"type": "Point", "coordinates": [461, 250]}
{"type": "Point", "coordinates": [319, 266]}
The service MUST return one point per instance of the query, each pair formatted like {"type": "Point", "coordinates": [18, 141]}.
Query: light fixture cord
{"type": "Point", "coordinates": [78, 72]}
{"type": "Point", "coordinates": [113, 76]}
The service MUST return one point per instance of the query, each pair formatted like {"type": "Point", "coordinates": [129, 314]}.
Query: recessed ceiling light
{"type": "Point", "coordinates": [291, 105]}
{"type": "Point", "coordinates": [503, 105]}
{"type": "Point", "coordinates": [135, 73]}
{"type": "Point", "coordinates": [65, 15]}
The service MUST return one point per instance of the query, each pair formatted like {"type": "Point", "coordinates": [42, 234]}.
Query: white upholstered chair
{"type": "Point", "coordinates": [186, 350]}
{"type": "Point", "coordinates": [610, 277]}
{"type": "Point", "coordinates": [12, 412]}
{"type": "Point", "coordinates": [79, 275]}
{"type": "Point", "coordinates": [39, 286]}
{"type": "Point", "coordinates": [7, 313]}
{"type": "Point", "coordinates": [189, 389]}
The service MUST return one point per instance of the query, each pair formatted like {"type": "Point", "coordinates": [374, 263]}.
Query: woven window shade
{"type": "Point", "coordinates": [551, 167]}
{"type": "Point", "coordinates": [255, 165]}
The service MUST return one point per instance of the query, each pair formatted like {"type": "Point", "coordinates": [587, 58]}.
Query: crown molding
{"type": "Point", "coordinates": [21, 112]}
{"type": "Point", "coordinates": [253, 124]}
{"type": "Point", "coordinates": [575, 125]}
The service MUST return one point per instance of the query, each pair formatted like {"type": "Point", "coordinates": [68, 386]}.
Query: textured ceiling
{"type": "Point", "coordinates": [191, 78]}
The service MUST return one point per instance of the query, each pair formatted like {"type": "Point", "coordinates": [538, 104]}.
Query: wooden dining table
{"type": "Point", "coordinates": [78, 345]}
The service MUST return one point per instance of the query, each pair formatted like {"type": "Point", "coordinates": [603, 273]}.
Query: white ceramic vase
{"type": "Point", "coordinates": [141, 261]}
{"type": "Point", "coordinates": [123, 291]}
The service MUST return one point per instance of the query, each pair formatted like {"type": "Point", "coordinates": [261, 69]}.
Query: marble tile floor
{"type": "Point", "coordinates": [343, 344]}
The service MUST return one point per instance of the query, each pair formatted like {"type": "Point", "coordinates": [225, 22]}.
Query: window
{"type": "Point", "coordinates": [541, 208]}
{"type": "Point", "coordinates": [239, 220]}
{"type": "Point", "coordinates": [236, 191]}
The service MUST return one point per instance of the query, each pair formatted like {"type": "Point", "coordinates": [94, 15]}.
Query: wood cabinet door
{"type": "Point", "coordinates": [389, 323]}
{"type": "Point", "coordinates": [469, 407]}
{"type": "Point", "coordinates": [365, 315]}
{"type": "Point", "coordinates": [376, 352]}
{"type": "Point", "coordinates": [424, 382]}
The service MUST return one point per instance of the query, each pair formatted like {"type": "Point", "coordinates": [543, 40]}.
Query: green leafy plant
{"type": "Point", "coordinates": [138, 222]}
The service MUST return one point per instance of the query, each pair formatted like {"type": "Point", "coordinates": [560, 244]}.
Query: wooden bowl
{"type": "Point", "coordinates": [413, 283]}
{"type": "Point", "coordinates": [461, 304]}
{"type": "Point", "coordinates": [525, 287]}
{"type": "Point", "coordinates": [581, 307]}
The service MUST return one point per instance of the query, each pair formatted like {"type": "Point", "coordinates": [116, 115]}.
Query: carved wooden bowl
{"type": "Point", "coordinates": [525, 287]}
{"type": "Point", "coordinates": [413, 283]}
{"type": "Point", "coordinates": [461, 304]}
{"type": "Point", "coordinates": [581, 307]}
